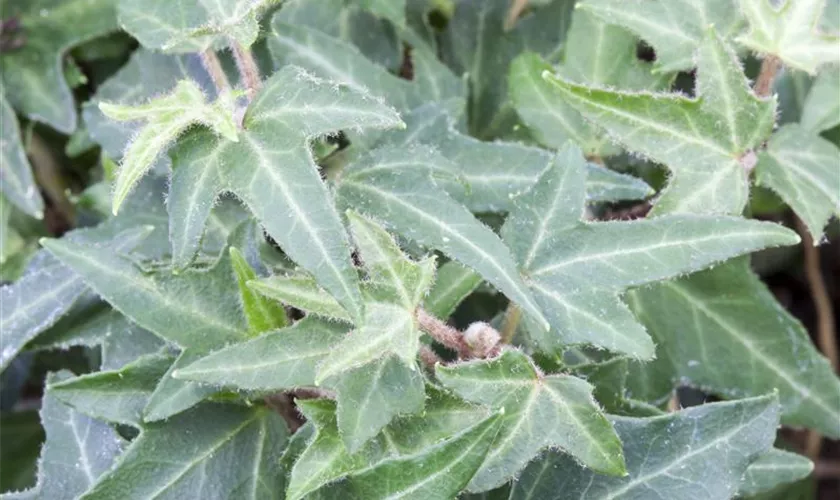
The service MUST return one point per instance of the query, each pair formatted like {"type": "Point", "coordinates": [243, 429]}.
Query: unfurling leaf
{"type": "Point", "coordinates": [167, 118]}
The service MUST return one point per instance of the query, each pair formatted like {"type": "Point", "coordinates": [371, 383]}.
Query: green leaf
{"type": "Point", "coordinates": [438, 472]}
{"type": "Point", "coordinates": [412, 205]}
{"type": "Point", "coordinates": [145, 76]}
{"type": "Point", "coordinates": [114, 396]}
{"type": "Point", "coordinates": [675, 28]}
{"type": "Point", "coordinates": [801, 167]}
{"type": "Point", "coordinates": [790, 31]}
{"type": "Point", "coordinates": [47, 291]}
{"type": "Point", "coordinates": [184, 455]}
{"type": "Point", "coordinates": [173, 396]}
{"type": "Point", "coordinates": [178, 308]}
{"type": "Point", "coordinates": [277, 360]}
{"type": "Point", "coordinates": [772, 469]}
{"type": "Point", "coordinates": [393, 10]}
{"type": "Point", "coordinates": [700, 452]}
{"type": "Point", "coordinates": [272, 161]}
{"type": "Point", "coordinates": [723, 330]}
{"type": "Point", "coordinates": [821, 110]}
{"type": "Point", "coordinates": [706, 142]}
{"type": "Point", "coordinates": [77, 451]}
{"type": "Point", "coordinates": [392, 275]}
{"type": "Point", "coordinates": [454, 283]}
{"type": "Point", "coordinates": [261, 314]}
{"type": "Point", "coordinates": [18, 185]}
{"type": "Point", "coordinates": [302, 292]}
{"type": "Point", "coordinates": [577, 269]}
{"type": "Point", "coordinates": [33, 76]}
{"type": "Point", "coordinates": [540, 412]}
{"type": "Point", "coordinates": [477, 44]}
{"type": "Point", "coordinates": [192, 26]}
{"type": "Point", "coordinates": [595, 53]}
{"type": "Point", "coordinates": [372, 395]}
{"type": "Point", "coordinates": [167, 117]}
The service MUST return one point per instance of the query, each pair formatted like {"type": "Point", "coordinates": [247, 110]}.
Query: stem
{"type": "Point", "coordinates": [513, 14]}
{"type": "Point", "coordinates": [429, 358]}
{"type": "Point", "coordinates": [826, 334]}
{"type": "Point", "coordinates": [827, 469]}
{"type": "Point", "coordinates": [47, 172]}
{"type": "Point", "coordinates": [764, 83]}
{"type": "Point", "coordinates": [248, 69]}
{"type": "Point", "coordinates": [283, 405]}
{"type": "Point", "coordinates": [443, 333]}
{"type": "Point", "coordinates": [512, 316]}
{"type": "Point", "coordinates": [214, 67]}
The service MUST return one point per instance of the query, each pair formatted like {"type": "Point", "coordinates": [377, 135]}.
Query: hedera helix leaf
{"type": "Point", "coordinates": [772, 469]}
{"type": "Point", "coordinates": [16, 181]}
{"type": "Point", "coordinates": [746, 324]}
{"type": "Point", "coordinates": [707, 142]}
{"type": "Point", "coordinates": [539, 412]}
{"type": "Point", "coordinates": [821, 110]}
{"type": "Point", "coordinates": [675, 28]}
{"type": "Point", "coordinates": [33, 79]}
{"type": "Point", "coordinates": [261, 314]}
{"type": "Point", "coordinates": [454, 283]}
{"type": "Point", "coordinates": [282, 359]}
{"type": "Point", "coordinates": [167, 118]}
{"type": "Point", "coordinates": [393, 10]}
{"type": "Point", "coordinates": [301, 291]}
{"type": "Point", "coordinates": [77, 451]}
{"type": "Point", "coordinates": [272, 161]}
{"type": "Point", "coordinates": [412, 205]}
{"type": "Point", "coordinates": [791, 31]}
{"type": "Point", "coordinates": [576, 269]}
{"type": "Point", "coordinates": [801, 166]}
{"type": "Point", "coordinates": [595, 53]}
{"type": "Point", "coordinates": [192, 25]}
{"type": "Point", "coordinates": [118, 396]}
{"type": "Point", "coordinates": [701, 452]}
{"type": "Point", "coordinates": [193, 452]}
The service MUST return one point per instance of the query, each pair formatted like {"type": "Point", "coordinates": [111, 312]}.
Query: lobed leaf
{"type": "Point", "coordinates": [300, 291]}
{"type": "Point", "coordinates": [540, 412]}
{"type": "Point", "coordinates": [261, 314]}
{"type": "Point", "coordinates": [16, 181]}
{"type": "Point", "coordinates": [700, 452]}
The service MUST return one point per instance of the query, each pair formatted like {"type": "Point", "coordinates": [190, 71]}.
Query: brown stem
{"type": "Point", "coordinates": [248, 69]}
{"type": "Point", "coordinates": [214, 67]}
{"type": "Point", "coordinates": [764, 83]}
{"type": "Point", "coordinates": [826, 334]}
{"type": "Point", "coordinates": [516, 8]}
{"type": "Point", "coordinates": [47, 171]}
{"type": "Point", "coordinates": [827, 469]}
{"type": "Point", "coordinates": [429, 358]}
{"type": "Point", "coordinates": [674, 402]}
{"type": "Point", "coordinates": [513, 314]}
{"type": "Point", "coordinates": [443, 333]}
{"type": "Point", "coordinates": [311, 393]}
{"type": "Point", "coordinates": [285, 407]}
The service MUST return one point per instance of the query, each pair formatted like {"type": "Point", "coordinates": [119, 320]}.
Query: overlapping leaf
{"type": "Point", "coordinates": [595, 53]}
{"type": "Point", "coordinates": [706, 142]}
{"type": "Point", "coordinates": [540, 412]}
{"type": "Point", "coordinates": [190, 25]}
{"type": "Point", "coordinates": [272, 161]}
{"type": "Point", "coordinates": [77, 451]}
{"type": "Point", "coordinates": [577, 269]}
{"type": "Point", "coordinates": [791, 31]}
{"type": "Point", "coordinates": [821, 110]}
{"type": "Point", "coordinates": [16, 181]}
{"type": "Point", "coordinates": [675, 28]}
{"type": "Point", "coordinates": [802, 167]}
{"type": "Point", "coordinates": [228, 450]}
{"type": "Point", "coordinates": [701, 452]}
{"type": "Point", "coordinates": [724, 331]}
{"type": "Point", "coordinates": [33, 77]}
{"type": "Point", "coordinates": [772, 469]}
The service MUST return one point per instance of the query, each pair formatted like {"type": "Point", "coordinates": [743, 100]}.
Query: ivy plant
{"type": "Point", "coordinates": [264, 249]}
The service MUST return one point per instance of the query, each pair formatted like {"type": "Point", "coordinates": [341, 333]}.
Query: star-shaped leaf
{"type": "Point", "coordinates": [596, 53]}
{"type": "Point", "coordinates": [77, 451]}
{"type": "Point", "coordinates": [790, 31]}
{"type": "Point", "coordinates": [167, 118]}
{"type": "Point", "coordinates": [577, 269]}
{"type": "Point", "coordinates": [802, 167]}
{"type": "Point", "coordinates": [675, 28]}
{"type": "Point", "coordinates": [272, 161]}
{"type": "Point", "coordinates": [16, 181]}
{"type": "Point", "coordinates": [192, 25]}
{"type": "Point", "coordinates": [540, 412]}
{"type": "Point", "coordinates": [33, 76]}
{"type": "Point", "coordinates": [701, 452]}
{"type": "Point", "coordinates": [190, 453]}
{"type": "Point", "coordinates": [707, 142]}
